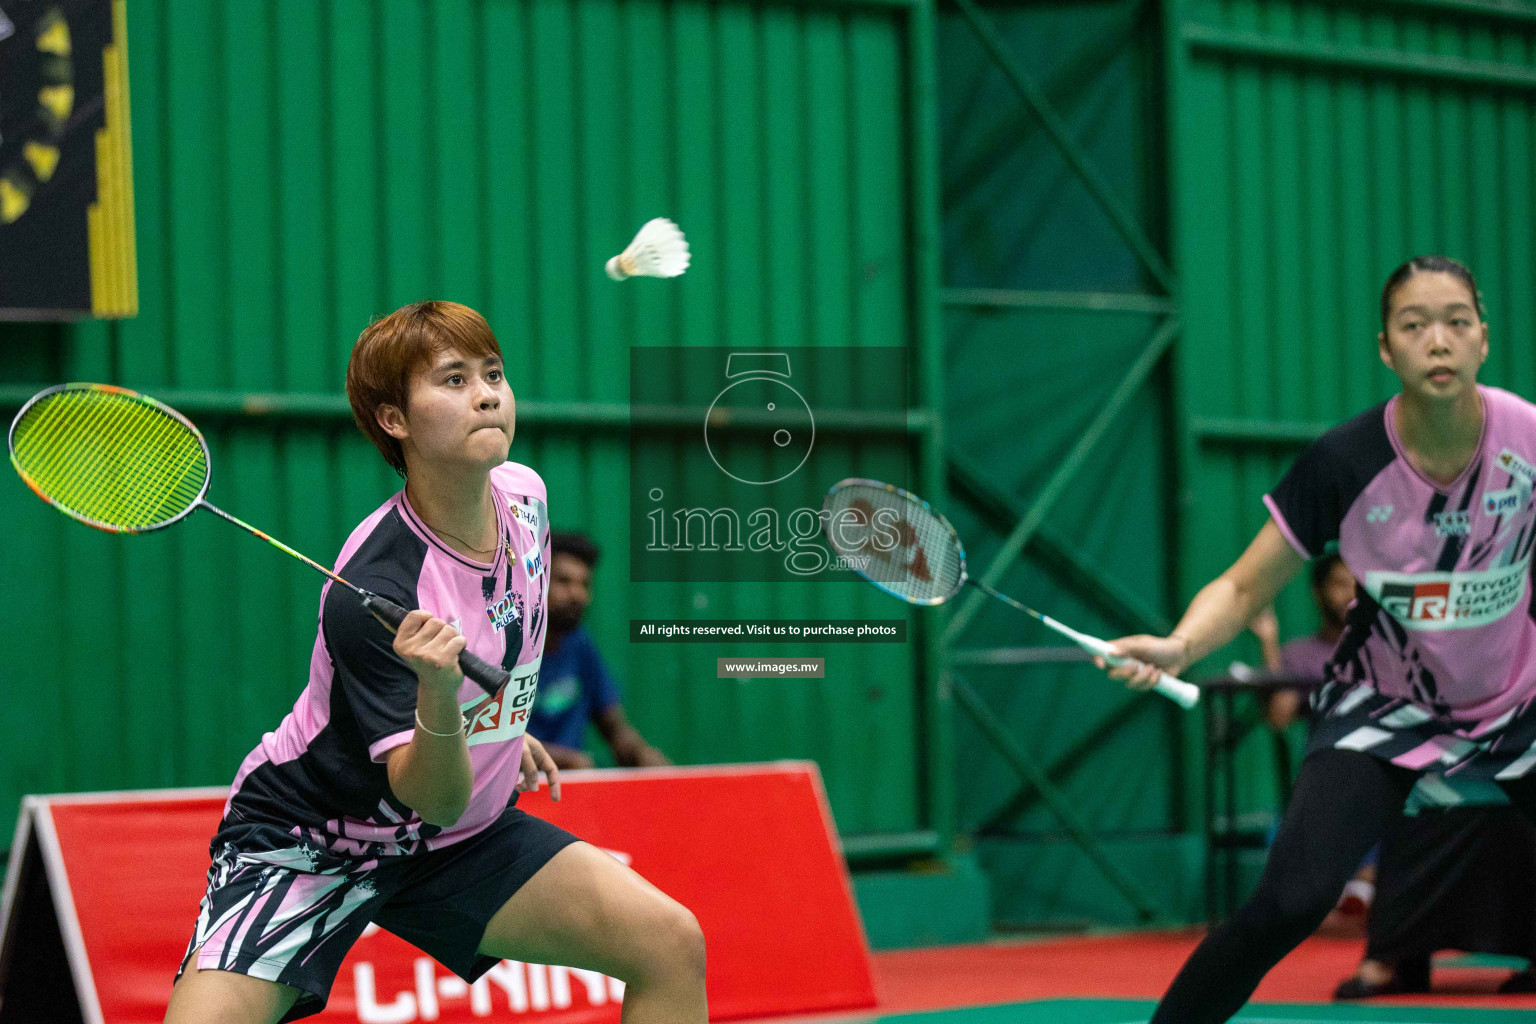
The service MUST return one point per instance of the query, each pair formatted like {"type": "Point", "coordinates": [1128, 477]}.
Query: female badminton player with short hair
{"type": "Point", "coordinates": [387, 794]}
{"type": "Point", "coordinates": [1427, 498]}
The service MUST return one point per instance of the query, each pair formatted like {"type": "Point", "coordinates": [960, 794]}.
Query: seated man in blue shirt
{"type": "Point", "coordinates": [574, 685]}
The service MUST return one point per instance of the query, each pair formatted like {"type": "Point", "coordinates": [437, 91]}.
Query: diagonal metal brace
{"type": "Point", "coordinates": [1054, 552]}
{"type": "Point", "coordinates": [1021, 761]}
{"type": "Point", "coordinates": [1078, 160]}
{"type": "Point", "coordinates": [1057, 485]}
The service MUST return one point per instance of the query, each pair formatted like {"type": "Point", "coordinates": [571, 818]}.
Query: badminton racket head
{"type": "Point", "coordinates": [895, 540]}
{"type": "Point", "coordinates": [109, 457]}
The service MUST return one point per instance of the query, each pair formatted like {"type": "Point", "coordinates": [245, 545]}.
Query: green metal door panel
{"type": "Point", "coordinates": [1114, 525]}
{"type": "Point", "coordinates": [1050, 321]}
{"type": "Point", "coordinates": [306, 167]}
{"type": "Point", "coordinates": [1015, 215]}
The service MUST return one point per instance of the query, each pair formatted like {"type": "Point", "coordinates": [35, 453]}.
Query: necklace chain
{"type": "Point", "coordinates": [466, 543]}
{"type": "Point", "coordinates": [453, 536]}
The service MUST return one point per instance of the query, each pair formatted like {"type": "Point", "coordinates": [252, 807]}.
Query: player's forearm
{"type": "Point", "coordinates": [1221, 611]}
{"type": "Point", "coordinates": [435, 777]}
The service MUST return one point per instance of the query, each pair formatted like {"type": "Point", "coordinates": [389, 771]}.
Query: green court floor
{"type": "Point", "coordinates": [1119, 1011]}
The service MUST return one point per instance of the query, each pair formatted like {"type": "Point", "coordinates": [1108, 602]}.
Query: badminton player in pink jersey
{"type": "Point", "coordinates": [1427, 498]}
{"type": "Point", "coordinates": [387, 795]}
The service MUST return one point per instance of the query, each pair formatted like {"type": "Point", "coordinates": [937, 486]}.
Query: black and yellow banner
{"type": "Point", "coordinates": [66, 174]}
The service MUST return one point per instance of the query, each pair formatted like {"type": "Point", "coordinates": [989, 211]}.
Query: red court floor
{"type": "Point", "coordinates": [1138, 965]}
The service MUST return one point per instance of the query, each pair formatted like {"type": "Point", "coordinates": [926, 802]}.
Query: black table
{"type": "Point", "coordinates": [1224, 730]}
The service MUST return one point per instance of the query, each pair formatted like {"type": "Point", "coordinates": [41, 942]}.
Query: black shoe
{"type": "Point", "coordinates": [1406, 980]}
{"type": "Point", "coordinates": [1520, 981]}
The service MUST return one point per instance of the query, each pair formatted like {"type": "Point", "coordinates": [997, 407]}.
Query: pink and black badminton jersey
{"type": "Point", "coordinates": [1436, 669]}
{"type": "Point", "coordinates": [321, 774]}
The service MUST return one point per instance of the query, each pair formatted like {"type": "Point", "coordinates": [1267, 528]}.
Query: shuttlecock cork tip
{"type": "Point", "coordinates": [615, 268]}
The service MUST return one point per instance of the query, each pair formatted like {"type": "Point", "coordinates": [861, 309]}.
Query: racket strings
{"type": "Point", "coordinates": [111, 458]}
{"type": "Point", "coordinates": [896, 541]}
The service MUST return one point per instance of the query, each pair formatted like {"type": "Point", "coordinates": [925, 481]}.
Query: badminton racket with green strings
{"type": "Point", "coordinates": [125, 463]}
{"type": "Point", "coordinates": [897, 541]}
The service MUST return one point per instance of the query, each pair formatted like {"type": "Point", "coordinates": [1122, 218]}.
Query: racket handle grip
{"type": "Point", "coordinates": [1185, 695]}
{"type": "Point", "coordinates": [491, 678]}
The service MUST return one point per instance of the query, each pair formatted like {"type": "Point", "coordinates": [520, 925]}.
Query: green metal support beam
{"type": "Point", "coordinates": [1349, 56]}
{"type": "Point", "coordinates": [1286, 433]}
{"type": "Point", "coordinates": [998, 657]}
{"type": "Point", "coordinates": [890, 846]}
{"type": "Point", "coordinates": [936, 751]}
{"type": "Point", "coordinates": [1003, 512]}
{"type": "Point", "coordinates": [1520, 11]}
{"type": "Point", "coordinates": [1064, 763]}
{"type": "Point", "coordinates": [1030, 92]}
{"type": "Point", "coordinates": [1022, 762]}
{"type": "Point", "coordinates": [1032, 520]}
{"type": "Point", "coordinates": [592, 415]}
{"type": "Point", "coordinates": [1093, 302]}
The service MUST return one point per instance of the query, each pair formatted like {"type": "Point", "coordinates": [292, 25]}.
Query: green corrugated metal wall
{"type": "Point", "coordinates": [301, 167]}
{"type": "Point", "coordinates": [1317, 146]}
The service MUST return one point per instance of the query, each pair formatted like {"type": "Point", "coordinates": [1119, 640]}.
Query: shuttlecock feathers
{"type": "Point", "coordinates": [659, 250]}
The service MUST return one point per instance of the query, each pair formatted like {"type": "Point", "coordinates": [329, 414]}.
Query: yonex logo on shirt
{"type": "Point", "coordinates": [1446, 600]}
{"type": "Point", "coordinates": [1379, 514]}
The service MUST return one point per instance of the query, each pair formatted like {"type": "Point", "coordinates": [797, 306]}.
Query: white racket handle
{"type": "Point", "coordinates": [1185, 695]}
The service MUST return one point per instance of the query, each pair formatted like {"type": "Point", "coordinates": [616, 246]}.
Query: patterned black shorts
{"type": "Point", "coordinates": [285, 910]}
{"type": "Point", "coordinates": [1353, 716]}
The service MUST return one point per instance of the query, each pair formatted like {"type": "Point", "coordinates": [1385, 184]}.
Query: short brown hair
{"type": "Point", "coordinates": [394, 347]}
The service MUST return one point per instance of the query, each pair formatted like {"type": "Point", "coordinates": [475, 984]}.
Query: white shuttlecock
{"type": "Point", "coordinates": [659, 250]}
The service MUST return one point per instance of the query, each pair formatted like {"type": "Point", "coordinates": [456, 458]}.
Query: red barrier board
{"type": "Point", "coordinates": [109, 884]}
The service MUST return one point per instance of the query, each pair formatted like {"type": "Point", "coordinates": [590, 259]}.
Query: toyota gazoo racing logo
{"type": "Point", "coordinates": [1449, 600]}
{"type": "Point", "coordinates": [503, 716]}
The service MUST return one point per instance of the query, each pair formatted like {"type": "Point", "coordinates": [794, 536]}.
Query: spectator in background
{"type": "Point", "coordinates": [1333, 590]}
{"type": "Point", "coordinates": [574, 684]}
{"type": "Point", "coordinates": [1459, 872]}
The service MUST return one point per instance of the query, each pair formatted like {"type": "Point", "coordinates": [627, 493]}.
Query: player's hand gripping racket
{"type": "Point", "coordinates": [125, 463]}
{"type": "Point", "coordinates": [910, 551]}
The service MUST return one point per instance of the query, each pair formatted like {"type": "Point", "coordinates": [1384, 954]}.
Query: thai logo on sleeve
{"type": "Point", "coordinates": [505, 715]}
{"type": "Point", "coordinates": [530, 513]}
{"type": "Point", "coordinates": [1516, 467]}
{"type": "Point", "coordinates": [1450, 600]}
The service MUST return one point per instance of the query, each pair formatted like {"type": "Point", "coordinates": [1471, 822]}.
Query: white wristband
{"type": "Point", "coordinates": [423, 727]}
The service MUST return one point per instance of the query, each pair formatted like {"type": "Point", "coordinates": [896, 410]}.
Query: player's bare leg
{"type": "Point", "coordinates": [584, 909]}
{"type": "Point", "coordinates": [201, 997]}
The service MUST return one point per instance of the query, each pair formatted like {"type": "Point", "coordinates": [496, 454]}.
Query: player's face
{"type": "Point", "coordinates": [570, 592]}
{"type": "Point", "coordinates": [1435, 342]}
{"type": "Point", "coordinates": [1337, 591]}
{"type": "Point", "coordinates": [460, 409]}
